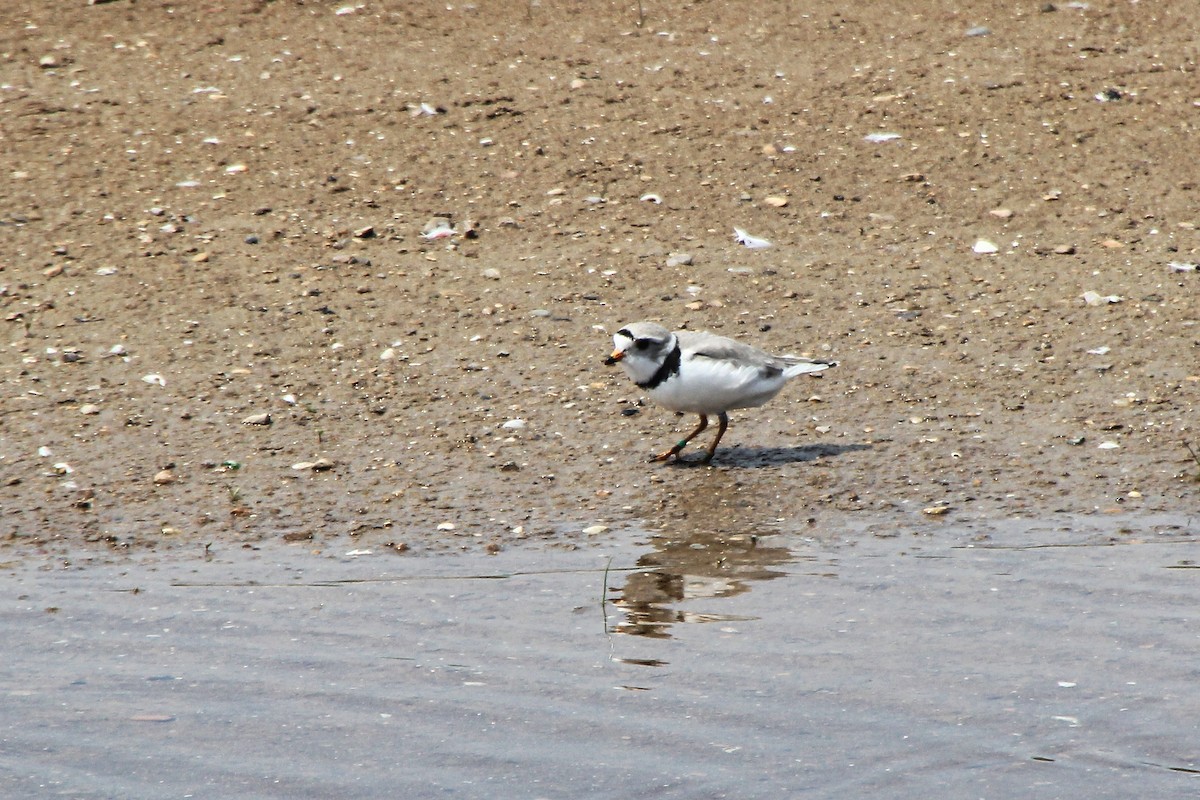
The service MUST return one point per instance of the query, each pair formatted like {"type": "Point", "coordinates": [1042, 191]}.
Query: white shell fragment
{"type": "Point", "coordinates": [320, 465]}
{"type": "Point", "coordinates": [154, 379]}
{"type": "Point", "coordinates": [876, 138]}
{"type": "Point", "coordinates": [442, 231]}
{"type": "Point", "coordinates": [752, 242]}
{"type": "Point", "coordinates": [984, 247]}
{"type": "Point", "coordinates": [1108, 446]}
{"type": "Point", "coordinates": [651, 198]}
{"type": "Point", "coordinates": [1097, 299]}
{"type": "Point", "coordinates": [514, 424]}
{"type": "Point", "coordinates": [1181, 266]}
{"type": "Point", "coordinates": [1100, 351]}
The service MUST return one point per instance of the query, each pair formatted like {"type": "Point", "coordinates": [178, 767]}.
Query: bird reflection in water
{"type": "Point", "coordinates": [687, 569]}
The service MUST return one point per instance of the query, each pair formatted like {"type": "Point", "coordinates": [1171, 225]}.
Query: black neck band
{"type": "Point", "coordinates": [670, 366]}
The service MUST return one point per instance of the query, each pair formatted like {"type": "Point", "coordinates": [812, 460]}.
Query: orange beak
{"type": "Point", "coordinates": [616, 356]}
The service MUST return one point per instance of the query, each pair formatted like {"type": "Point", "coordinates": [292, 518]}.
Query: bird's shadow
{"type": "Point", "coordinates": [741, 456]}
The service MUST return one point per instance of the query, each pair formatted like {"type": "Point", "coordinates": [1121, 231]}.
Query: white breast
{"type": "Point", "coordinates": [710, 386]}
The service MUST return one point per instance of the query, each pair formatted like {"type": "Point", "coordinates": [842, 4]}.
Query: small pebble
{"type": "Point", "coordinates": [164, 477]}
{"type": "Point", "coordinates": [679, 260]}
{"type": "Point", "coordinates": [89, 409]}
{"type": "Point", "coordinates": [262, 418]}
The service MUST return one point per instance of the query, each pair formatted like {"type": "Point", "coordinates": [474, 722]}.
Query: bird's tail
{"type": "Point", "coordinates": [805, 366]}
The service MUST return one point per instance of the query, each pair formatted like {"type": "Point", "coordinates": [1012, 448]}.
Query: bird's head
{"type": "Point", "coordinates": [641, 348]}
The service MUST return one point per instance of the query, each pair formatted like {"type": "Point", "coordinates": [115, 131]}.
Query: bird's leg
{"type": "Point", "coordinates": [712, 448]}
{"type": "Point", "coordinates": [682, 443]}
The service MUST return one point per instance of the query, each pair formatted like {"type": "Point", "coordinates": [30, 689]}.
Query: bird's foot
{"type": "Point", "coordinates": [674, 451]}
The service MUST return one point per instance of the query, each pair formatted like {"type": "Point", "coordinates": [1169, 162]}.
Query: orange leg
{"type": "Point", "coordinates": [674, 451]}
{"type": "Point", "coordinates": [723, 418]}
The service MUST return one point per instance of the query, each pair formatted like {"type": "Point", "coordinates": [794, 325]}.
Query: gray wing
{"type": "Point", "coordinates": [720, 348]}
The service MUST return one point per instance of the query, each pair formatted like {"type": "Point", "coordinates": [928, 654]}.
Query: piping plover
{"type": "Point", "coordinates": [702, 373]}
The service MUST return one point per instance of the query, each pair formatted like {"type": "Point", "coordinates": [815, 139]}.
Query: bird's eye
{"type": "Point", "coordinates": [641, 344]}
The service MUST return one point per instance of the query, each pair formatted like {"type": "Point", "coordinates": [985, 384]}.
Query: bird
{"type": "Point", "coordinates": [702, 373]}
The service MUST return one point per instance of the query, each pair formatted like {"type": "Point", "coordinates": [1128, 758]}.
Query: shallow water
{"type": "Point", "coordinates": [1047, 661]}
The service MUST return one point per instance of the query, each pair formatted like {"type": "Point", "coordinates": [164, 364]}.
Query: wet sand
{"type": "Point", "coordinates": [222, 321]}
{"type": "Point", "coordinates": [1056, 661]}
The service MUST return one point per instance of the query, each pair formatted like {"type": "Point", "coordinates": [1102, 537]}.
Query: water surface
{"type": "Point", "coordinates": [1045, 661]}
